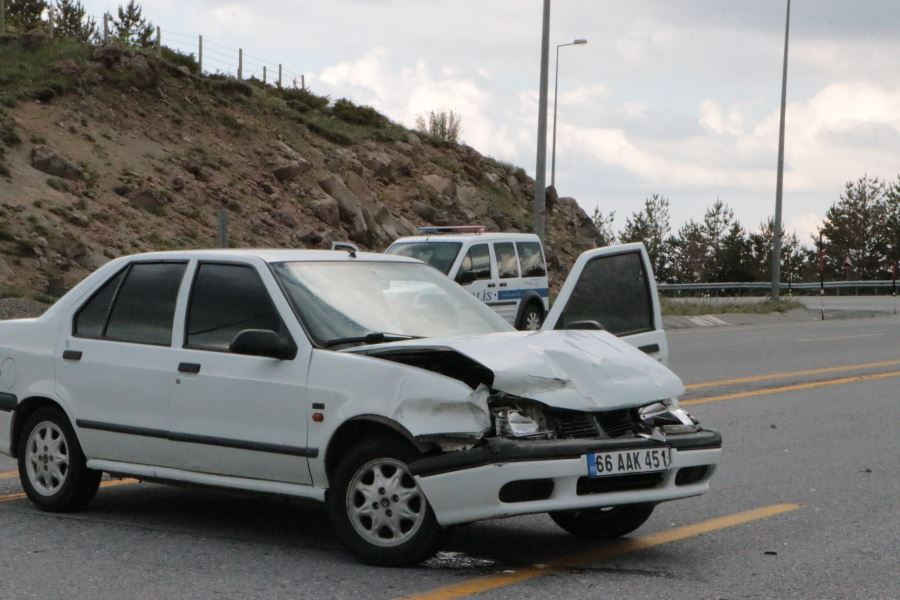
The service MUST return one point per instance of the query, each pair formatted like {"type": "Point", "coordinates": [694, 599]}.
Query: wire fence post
{"type": "Point", "coordinates": [158, 41]}
{"type": "Point", "coordinates": [279, 72]}
{"type": "Point", "coordinates": [200, 56]}
{"type": "Point", "coordinates": [264, 74]}
{"type": "Point", "coordinates": [240, 63]}
{"type": "Point", "coordinates": [223, 228]}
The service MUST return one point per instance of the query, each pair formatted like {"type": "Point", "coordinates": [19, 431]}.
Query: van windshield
{"type": "Point", "coordinates": [440, 255]}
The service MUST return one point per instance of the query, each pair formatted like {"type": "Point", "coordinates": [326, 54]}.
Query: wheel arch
{"type": "Point", "coordinates": [356, 429]}
{"type": "Point", "coordinates": [529, 298]}
{"type": "Point", "coordinates": [25, 409]}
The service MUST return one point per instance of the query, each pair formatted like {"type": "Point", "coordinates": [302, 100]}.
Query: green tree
{"type": "Point", "coordinates": [25, 14]}
{"type": "Point", "coordinates": [857, 227]}
{"type": "Point", "coordinates": [130, 26]}
{"type": "Point", "coordinates": [688, 248]}
{"type": "Point", "coordinates": [72, 21]}
{"type": "Point", "coordinates": [795, 260]}
{"type": "Point", "coordinates": [651, 225]}
{"type": "Point", "coordinates": [603, 222]}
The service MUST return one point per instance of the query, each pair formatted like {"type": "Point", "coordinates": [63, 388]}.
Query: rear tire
{"type": "Point", "coordinates": [603, 523]}
{"type": "Point", "coordinates": [532, 318]}
{"type": "Point", "coordinates": [378, 510]}
{"type": "Point", "coordinates": [52, 467]}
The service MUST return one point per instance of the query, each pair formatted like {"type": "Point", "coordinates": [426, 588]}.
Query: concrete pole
{"type": "Point", "coordinates": [303, 82]}
{"type": "Point", "coordinates": [240, 63]}
{"type": "Point", "coordinates": [105, 27]}
{"type": "Point", "coordinates": [2, 17]}
{"type": "Point", "coordinates": [776, 230]}
{"type": "Point", "coordinates": [223, 228]}
{"type": "Point", "coordinates": [158, 41]}
{"type": "Point", "coordinates": [540, 174]}
{"type": "Point", "coordinates": [50, 19]}
{"type": "Point", "coordinates": [200, 55]}
{"type": "Point", "coordinates": [279, 76]}
{"type": "Point", "coordinates": [264, 74]}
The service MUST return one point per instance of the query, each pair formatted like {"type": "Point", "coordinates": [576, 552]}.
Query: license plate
{"type": "Point", "coordinates": [623, 462]}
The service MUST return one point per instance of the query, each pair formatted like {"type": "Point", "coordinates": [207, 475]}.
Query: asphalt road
{"type": "Point", "coordinates": [804, 505]}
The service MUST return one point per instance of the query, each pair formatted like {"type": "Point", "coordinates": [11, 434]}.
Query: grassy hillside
{"type": "Point", "coordinates": [110, 151]}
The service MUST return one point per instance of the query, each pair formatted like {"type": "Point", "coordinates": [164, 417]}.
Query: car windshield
{"type": "Point", "coordinates": [367, 301]}
{"type": "Point", "coordinates": [439, 255]}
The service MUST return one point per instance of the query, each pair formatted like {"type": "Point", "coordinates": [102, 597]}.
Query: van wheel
{"type": "Point", "coordinates": [532, 318]}
{"type": "Point", "coordinates": [52, 467]}
{"type": "Point", "coordinates": [603, 523]}
{"type": "Point", "coordinates": [378, 510]}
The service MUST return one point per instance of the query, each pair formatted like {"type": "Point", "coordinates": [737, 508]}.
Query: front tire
{"type": "Point", "coordinates": [603, 523]}
{"type": "Point", "coordinates": [378, 510]}
{"type": "Point", "coordinates": [52, 466]}
{"type": "Point", "coordinates": [532, 318]}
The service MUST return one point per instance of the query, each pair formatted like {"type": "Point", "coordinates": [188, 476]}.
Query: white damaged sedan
{"type": "Point", "coordinates": [369, 382]}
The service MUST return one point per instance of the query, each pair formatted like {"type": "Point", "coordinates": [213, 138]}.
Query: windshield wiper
{"type": "Point", "coordinates": [376, 337]}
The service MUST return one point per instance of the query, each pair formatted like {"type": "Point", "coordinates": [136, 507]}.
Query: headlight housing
{"type": "Point", "coordinates": [669, 416]}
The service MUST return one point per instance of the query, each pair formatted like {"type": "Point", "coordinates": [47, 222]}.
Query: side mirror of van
{"type": "Point", "coordinates": [465, 277]}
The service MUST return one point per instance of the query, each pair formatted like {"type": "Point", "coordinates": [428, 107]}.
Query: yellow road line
{"type": "Point", "coordinates": [784, 374]}
{"type": "Point", "coordinates": [8, 474]}
{"type": "Point", "coordinates": [624, 546]}
{"type": "Point", "coordinates": [792, 388]}
{"type": "Point", "coordinates": [103, 484]}
{"type": "Point", "coordinates": [840, 337]}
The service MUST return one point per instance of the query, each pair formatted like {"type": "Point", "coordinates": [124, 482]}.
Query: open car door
{"type": "Point", "coordinates": [613, 288]}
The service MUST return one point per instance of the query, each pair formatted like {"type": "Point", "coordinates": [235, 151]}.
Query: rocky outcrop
{"type": "Point", "coordinates": [44, 158]}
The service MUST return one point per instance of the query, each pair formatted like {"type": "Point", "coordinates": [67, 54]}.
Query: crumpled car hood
{"type": "Point", "coordinates": [575, 370]}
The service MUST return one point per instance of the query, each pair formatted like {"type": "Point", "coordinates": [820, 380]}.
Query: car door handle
{"type": "Point", "coordinates": [72, 355]}
{"type": "Point", "coordinates": [188, 367]}
{"type": "Point", "coordinates": [503, 284]}
{"type": "Point", "coordinates": [492, 285]}
{"type": "Point", "coordinates": [649, 348]}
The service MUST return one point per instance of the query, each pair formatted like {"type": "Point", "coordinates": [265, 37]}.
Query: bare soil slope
{"type": "Point", "coordinates": [110, 151]}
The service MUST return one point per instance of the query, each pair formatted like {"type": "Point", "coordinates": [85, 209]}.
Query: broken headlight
{"type": "Point", "coordinates": [668, 416]}
{"type": "Point", "coordinates": [518, 419]}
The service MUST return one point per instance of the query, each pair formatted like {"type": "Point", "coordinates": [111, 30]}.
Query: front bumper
{"type": "Point", "coordinates": [467, 486]}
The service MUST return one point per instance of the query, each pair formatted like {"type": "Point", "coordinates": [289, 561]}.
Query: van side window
{"type": "Point", "coordinates": [507, 264]}
{"type": "Point", "coordinates": [531, 259]}
{"type": "Point", "coordinates": [225, 300]}
{"type": "Point", "coordinates": [144, 308]}
{"type": "Point", "coordinates": [477, 261]}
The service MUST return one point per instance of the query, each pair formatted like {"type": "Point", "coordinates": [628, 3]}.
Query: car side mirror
{"type": "Point", "coordinates": [594, 325]}
{"type": "Point", "coordinates": [465, 277]}
{"type": "Point", "coordinates": [263, 342]}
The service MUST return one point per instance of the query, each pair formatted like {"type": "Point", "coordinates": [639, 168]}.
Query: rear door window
{"type": "Point", "coordinates": [144, 307]}
{"type": "Point", "coordinates": [507, 264]}
{"type": "Point", "coordinates": [91, 318]}
{"type": "Point", "coordinates": [225, 300]}
{"type": "Point", "coordinates": [477, 261]}
{"type": "Point", "coordinates": [612, 291]}
{"type": "Point", "coordinates": [531, 259]}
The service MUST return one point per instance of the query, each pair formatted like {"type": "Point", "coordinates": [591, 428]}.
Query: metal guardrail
{"type": "Point", "coordinates": [765, 285]}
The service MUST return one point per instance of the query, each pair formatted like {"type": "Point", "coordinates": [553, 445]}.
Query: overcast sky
{"type": "Point", "coordinates": [678, 97]}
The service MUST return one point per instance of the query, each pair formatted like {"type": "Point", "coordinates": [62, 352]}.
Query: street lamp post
{"type": "Point", "coordinates": [776, 240]}
{"type": "Point", "coordinates": [578, 42]}
{"type": "Point", "coordinates": [540, 171]}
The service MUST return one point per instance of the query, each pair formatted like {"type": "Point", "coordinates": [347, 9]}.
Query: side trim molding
{"type": "Point", "coordinates": [199, 439]}
{"type": "Point", "coordinates": [8, 402]}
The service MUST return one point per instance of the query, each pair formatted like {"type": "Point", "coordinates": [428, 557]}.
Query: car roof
{"type": "Point", "coordinates": [270, 255]}
{"type": "Point", "coordinates": [465, 237]}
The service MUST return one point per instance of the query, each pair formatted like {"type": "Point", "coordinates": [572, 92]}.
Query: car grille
{"type": "Point", "coordinates": [573, 424]}
{"type": "Point", "coordinates": [617, 483]}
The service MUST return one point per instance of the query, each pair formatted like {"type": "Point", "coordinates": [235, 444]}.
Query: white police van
{"type": "Point", "coordinates": [506, 271]}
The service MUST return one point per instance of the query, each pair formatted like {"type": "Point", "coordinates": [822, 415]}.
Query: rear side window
{"type": "Point", "coordinates": [531, 259]}
{"type": "Point", "coordinates": [614, 292]}
{"type": "Point", "coordinates": [507, 265]}
{"type": "Point", "coordinates": [91, 319]}
{"type": "Point", "coordinates": [226, 300]}
{"type": "Point", "coordinates": [477, 261]}
{"type": "Point", "coordinates": [144, 308]}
